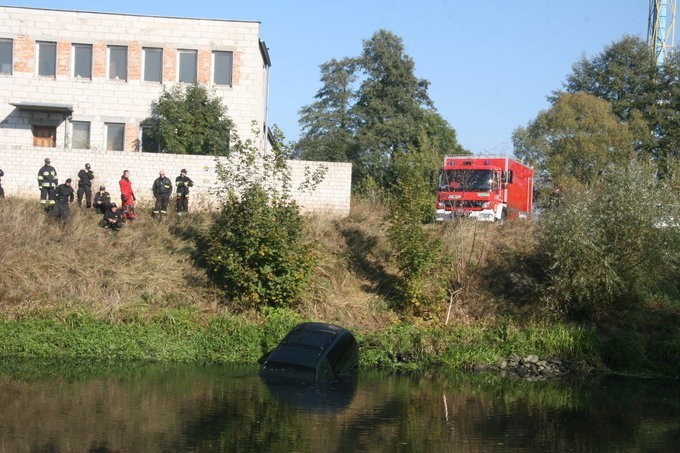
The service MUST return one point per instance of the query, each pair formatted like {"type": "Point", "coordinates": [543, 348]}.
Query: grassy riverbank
{"type": "Point", "coordinates": [186, 335]}
{"type": "Point", "coordinates": [143, 294]}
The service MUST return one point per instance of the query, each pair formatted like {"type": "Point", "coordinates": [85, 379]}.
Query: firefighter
{"type": "Point", "coordinates": [2, 191]}
{"type": "Point", "coordinates": [113, 218]}
{"type": "Point", "coordinates": [183, 182]}
{"type": "Point", "coordinates": [47, 182]}
{"type": "Point", "coordinates": [127, 196]}
{"type": "Point", "coordinates": [85, 177]}
{"type": "Point", "coordinates": [102, 200]}
{"type": "Point", "coordinates": [63, 196]}
{"type": "Point", "coordinates": [162, 189]}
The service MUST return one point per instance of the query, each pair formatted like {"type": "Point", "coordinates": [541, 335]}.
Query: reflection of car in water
{"type": "Point", "coordinates": [312, 352]}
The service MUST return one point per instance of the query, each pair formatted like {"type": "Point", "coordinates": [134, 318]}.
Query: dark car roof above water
{"type": "Point", "coordinates": [310, 344]}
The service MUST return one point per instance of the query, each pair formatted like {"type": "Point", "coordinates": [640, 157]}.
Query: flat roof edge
{"type": "Point", "coordinates": [129, 14]}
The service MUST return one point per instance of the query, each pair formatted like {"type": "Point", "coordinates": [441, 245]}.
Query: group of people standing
{"type": "Point", "coordinates": [56, 198]}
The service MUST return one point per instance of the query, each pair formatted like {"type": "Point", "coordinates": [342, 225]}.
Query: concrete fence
{"type": "Point", "coordinates": [21, 165]}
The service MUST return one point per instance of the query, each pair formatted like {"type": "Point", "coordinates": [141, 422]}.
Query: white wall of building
{"type": "Point", "coordinates": [100, 100]}
{"type": "Point", "coordinates": [21, 165]}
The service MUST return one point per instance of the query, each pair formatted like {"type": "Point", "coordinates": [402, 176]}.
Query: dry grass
{"type": "Point", "coordinates": [46, 266]}
{"type": "Point", "coordinates": [150, 265]}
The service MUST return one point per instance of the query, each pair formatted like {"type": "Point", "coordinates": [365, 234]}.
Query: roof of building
{"type": "Point", "coordinates": [43, 106]}
{"type": "Point", "coordinates": [128, 14]}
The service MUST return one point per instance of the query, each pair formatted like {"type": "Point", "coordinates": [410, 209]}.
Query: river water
{"type": "Point", "coordinates": [140, 407]}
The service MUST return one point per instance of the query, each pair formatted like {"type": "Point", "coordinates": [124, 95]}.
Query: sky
{"type": "Point", "coordinates": [490, 63]}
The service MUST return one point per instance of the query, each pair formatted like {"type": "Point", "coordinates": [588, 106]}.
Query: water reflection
{"type": "Point", "coordinates": [319, 397]}
{"type": "Point", "coordinates": [60, 407]}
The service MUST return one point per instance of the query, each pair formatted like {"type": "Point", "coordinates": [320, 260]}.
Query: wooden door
{"type": "Point", "coordinates": [45, 136]}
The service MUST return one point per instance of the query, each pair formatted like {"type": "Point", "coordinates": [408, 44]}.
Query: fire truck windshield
{"type": "Point", "coordinates": [465, 180]}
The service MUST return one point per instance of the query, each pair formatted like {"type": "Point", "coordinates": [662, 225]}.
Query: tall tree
{"type": "Point", "coordinates": [191, 120]}
{"type": "Point", "coordinates": [371, 108]}
{"type": "Point", "coordinates": [390, 106]}
{"type": "Point", "coordinates": [577, 140]}
{"type": "Point", "coordinates": [626, 75]}
{"type": "Point", "coordinates": [327, 125]}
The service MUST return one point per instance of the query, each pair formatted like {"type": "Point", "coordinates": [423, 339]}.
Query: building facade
{"type": "Point", "coordinates": [83, 80]}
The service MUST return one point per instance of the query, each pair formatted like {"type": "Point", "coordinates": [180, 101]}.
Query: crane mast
{"type": "Point", "coordinates": [661, 28]}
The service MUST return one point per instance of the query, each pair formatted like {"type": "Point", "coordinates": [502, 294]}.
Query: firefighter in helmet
{"type": "Point", "coordinates": [47, 182]}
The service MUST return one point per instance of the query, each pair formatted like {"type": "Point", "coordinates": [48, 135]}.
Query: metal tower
{"type": "Point", "coordinates": [661, 27]}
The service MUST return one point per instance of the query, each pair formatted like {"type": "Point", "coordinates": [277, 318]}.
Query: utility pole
{"type": "Point", "coordinates": [661, 28]}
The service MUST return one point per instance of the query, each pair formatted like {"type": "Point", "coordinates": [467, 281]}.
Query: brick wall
{"type": "Point", "coordinates": [101, 100]}
{"type": "Point", "coordinates": [21, 165]}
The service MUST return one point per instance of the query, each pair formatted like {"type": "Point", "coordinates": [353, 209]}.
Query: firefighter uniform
{"type": "Point", "coordinates": [102, 200]}
{"type": "Point", "coordinates": [162, 189]}
{"type": "Point", "coordinates": [47, 182]}
{"type": "Point", "coordinates": [183, 182]}
{"type": "Point", "coordinates": [85, 177]}
{"type": "Point", "coordinates": [2, 191]}
{"type": "Point", "coordinates": [63, 196]}
{"type": "Point", "coordinates": [113, 218]}
{"type": "Point", "coordinates": [127, 196]}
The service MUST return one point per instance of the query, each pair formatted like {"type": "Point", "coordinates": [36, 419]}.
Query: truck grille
{"type": "Point", "coordinates": [475, 204]}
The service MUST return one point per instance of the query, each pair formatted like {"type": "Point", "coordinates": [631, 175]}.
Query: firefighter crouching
{"type": "Point", "coordinates": [85, 177]}
{"type": "Point", "coordinates": [47, 182]}
{"type": "Point", "coordinates": [162, 189]}
{"type": "Point", "coordinates": [113, 218]}
{"type": "Point", "coordinates": [127, 196]}
{"type": "Point", "coordinates": [183, 182]}
{"type": "Point", "coordinates": [64, 196]}
{"type": "Point", "coordinates": [102, 200]}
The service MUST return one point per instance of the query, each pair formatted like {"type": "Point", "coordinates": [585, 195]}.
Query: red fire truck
{"type": "Point", "coordinates": [484, 188]}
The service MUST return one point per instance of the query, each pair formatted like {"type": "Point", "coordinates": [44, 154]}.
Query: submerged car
{"type": "Point", "coordinates": [313, 352]}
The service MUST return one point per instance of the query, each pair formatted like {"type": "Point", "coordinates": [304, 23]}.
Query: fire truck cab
{"type": "Point", "coordinates": [484, 188]}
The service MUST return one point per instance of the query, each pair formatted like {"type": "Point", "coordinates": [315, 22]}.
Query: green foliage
{"type": "Point", "coordinates": [191, 120]}
{"type": "Point", "coordinates": [605, 243]}
{"type": "Point", "coordinates": [415, 250]}
{"type": "Point", "coordinates": [576, 140]}
{"type": "Point", "coordinates": [457, 346]}
{"type": "Point", "coordinates": [258, 253]}
{"type": "Point", "coordinates": [626, 75]}
{"type": "Point", "coordinates": [625, 351]}
{"type": "Point", "coordinates": [327, 124]}
{"type": "Point", "coordinates": [370, 109]}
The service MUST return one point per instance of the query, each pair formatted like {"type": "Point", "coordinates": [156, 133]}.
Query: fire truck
{"type": "Point", "coordinates": [484, 188]}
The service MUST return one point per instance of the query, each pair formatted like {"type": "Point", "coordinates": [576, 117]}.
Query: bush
{"type": "Point", "coordinates": [604, 245]}
{"type": "Point", "coordinates": [257, 253]}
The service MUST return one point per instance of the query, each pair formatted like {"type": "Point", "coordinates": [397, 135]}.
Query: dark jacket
{"type": "Point", "coordinates": [47, 177]}
{"type": "Point", "coordinates": [183, 183]}
{"type": "Point", "coordinates": [111, 217]}
{"type": "Point", "coordinates": [85, 178]}
{"type": "Point", "coordinates": [162, 186]}
{"type": "Point", "coordinates": [64, 194]}
{"type": "Point", "coordinates": [102, 199]}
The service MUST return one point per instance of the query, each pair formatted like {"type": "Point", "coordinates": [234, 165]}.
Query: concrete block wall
{"type": "Point", "coordinates": [21, 165]}
{"type": "Point", "coordinates": [100, 100]}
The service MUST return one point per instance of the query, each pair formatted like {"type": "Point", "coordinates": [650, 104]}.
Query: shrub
{"type": "Point", "coordinates": [257, 252]}
{"type": "Point", "coordinates": [416, 252]}
{"type": "Point", "coordinates": [604, 243]}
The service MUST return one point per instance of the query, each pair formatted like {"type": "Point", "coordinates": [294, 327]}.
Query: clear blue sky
{"type": "Point", "coordinates": [491, 63]}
